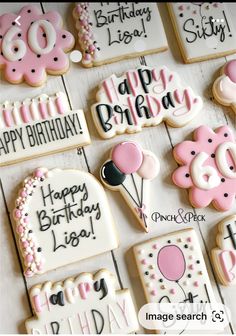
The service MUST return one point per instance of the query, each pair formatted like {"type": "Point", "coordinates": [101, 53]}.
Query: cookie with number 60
{"type": "Point", "coordinates": [32, 45]}
{"type": "Point", "coordinates": [208, 167]}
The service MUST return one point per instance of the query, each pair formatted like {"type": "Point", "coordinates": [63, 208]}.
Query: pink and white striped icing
{"type": "Point", "coordinates": [38, 108]}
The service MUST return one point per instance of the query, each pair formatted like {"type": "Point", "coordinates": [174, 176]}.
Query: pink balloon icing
{"type": "Point", "coordinates": [230, 70]}
{"type": "Point", "coordinates": [171, 262]}
{"type": "Point", "coordinates": [127, 156]}
{"type": "Point", "coordinates": [150, 167]}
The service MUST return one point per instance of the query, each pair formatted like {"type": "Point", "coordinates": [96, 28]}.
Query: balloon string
{"type": "Point", "coordinates": [136, 190]}
{"type": "Point", "coordinates": [142, 191]}
{"type": "Point", "coordinates": [130, 195]}
{"type": "Point", "coordinates": [185, 298]}
{"type": "Point", "coordinates": [182, 289]}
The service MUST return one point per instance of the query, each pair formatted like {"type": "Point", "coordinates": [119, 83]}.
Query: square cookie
{"type": "Point", "coordinates": [111, 31]}
{"type": "Point", "coordinates": [204, 30]}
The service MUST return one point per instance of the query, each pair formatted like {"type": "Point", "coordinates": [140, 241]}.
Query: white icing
{"type": "Point", "coordinates": [13, 50]}
{"type": "Point", "coordinates": [106, 34]}
{"type": "Point", "coordinates": [51, 36]}
{"type": "Point", "coordinates": [221, 158]}
{"type": "Point", "coordinates": [70, 218]}
{"type": "Point", "coordinates": [25, 140]}
{"type": "Point", "coordinates": [225, 90]}
{"type": "Point", "coordinates": [152, 248]}
{"type": "Point", "coordinates": [204, 177]}
{"type": "Point", "coordinates": [196, 18]}
{"type": "Point", "coordinates": [186, 103]}
{"type": "Point", "coordinates": [76, 316]}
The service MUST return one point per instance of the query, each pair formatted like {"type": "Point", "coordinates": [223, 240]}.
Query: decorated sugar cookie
{"type": "Point", "coordinates": [204, 30]}
{"type": "Point", "coordinates": [110, 31]}
{"type": "Point", "coordinates": [172, 269]}
{"type": "Point", "coordinates": [143, 97]}
{"type": "Point", "coordinates": [224, 255]}
{"type": "Point", "coordinates": [86, 304]}
{"type": "Point", "coordinates": [39, 126]}
{"type": "Point", "coordinates": [61, 216]}
{"type": "Point", "coordinates": [208, 167]}
{"type": "Point", "coordinates": [130, 170]}
{"type": "Point", "coordinates": [35, 47]}
{"type": "Point", "coordinates": [224, 87]}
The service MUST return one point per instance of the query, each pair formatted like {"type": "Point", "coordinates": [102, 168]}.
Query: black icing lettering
{"type": "Point", "coordinates": [55, 326]}
{"type": "Point", "coordinates": [145, 77]}
{"type": "Point", "coordinates": [57, 299]}
{"type": "Point", "coordinates": [40, 132]}
{"type": "Point", "coordinates": [124, 88]}
{"type": "Point", "coordinates": [55, 246]}
{"type": "Point", "coordinates": [44, 220]}
{"type": "Point", "coordinates": [208, 27]}
{"type": "Point", "coordinates": [31, 137]}
{"type": "Point", "coordinates": [123, 113]}
{"type": "Point", "coordinates": [140, 108]}
{"type": "Point", "coordinates": [49, 194]}
{"type": "Point", "coordinates": [7, 140]}
{"type": "Point", "coordinates": [60, 129]}
{"type": "Point", "coordinates": [98, 316]}
{"type": "Point", "coordinates": [189, 30]}
{"type": "Point", "coordinates": [104, 112]}
{"type": "Point", "coordinates": [100, 285]}
{"type": "Point", "coordinates": [167, 101]}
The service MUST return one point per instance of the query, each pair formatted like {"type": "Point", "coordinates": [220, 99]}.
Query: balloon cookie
{"type": "Point", "coordinates": [204, 30]}
{"type": "Point", "coordinates": [224, 255]}
{"type": "Point", "coordinates": [111, 31]}
{"type": "Point", "coordinates": [130, 170]}
{"type": "Point", "coordinates": [85, 304]}
{"type": "Point", "coordinates": [172, 269]}
{"type": "Point", "coordinates": [143, 97]}
{"type": "Point", "coordinates": [224, 87]}
{"type": "Point", "coordinates": [62, 216]}
{"type": "Point", "coordinates": [39, 126]}
{"type": "Point", "coordinates": [34, 47]}
{"type": "Point", "coordinates": [208, 167]}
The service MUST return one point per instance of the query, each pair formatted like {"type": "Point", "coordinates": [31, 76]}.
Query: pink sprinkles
{"type": "Point", "coordinates": [32, 253]}
{"type": "Point", "coordinates": [85, 32]}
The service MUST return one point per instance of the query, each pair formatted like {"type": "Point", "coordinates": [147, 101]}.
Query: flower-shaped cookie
{"type": "Point", "coordinates": [224, 87]}
{"type": "Point", "coordinates": [35, 47]}
{"type": "Point", "coordinates": [208, 167]}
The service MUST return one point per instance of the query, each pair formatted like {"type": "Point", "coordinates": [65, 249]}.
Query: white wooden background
{"type": "Point", "coordinates": [80, 84]}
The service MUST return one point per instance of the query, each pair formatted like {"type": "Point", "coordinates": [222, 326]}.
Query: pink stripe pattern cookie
{"type": "Point", "coordinates": [208, 167]}
{"type": "Point", "coordinates": [35, 47]}
{"type": "Point", "coordinates": [39, 126]}
{"type": "Point", "coordinates": [224, 255]}
{"type": "Point", "coordinates": [86, 304]}
{"type": "Point", "coordinates": [143, 97]}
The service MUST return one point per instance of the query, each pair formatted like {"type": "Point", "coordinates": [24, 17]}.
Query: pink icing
{"type": "Point", "coordinates": [230, 70]}
{"type": "Point", "coordinates": [84, 288]}
{"type": "Point", "coordinates": [127, 156]}
{"type": "Point", "coordinates": [25, 113]}
{"type": "Point", "coordinates": [7, 117]}
{"type": "Point", "coordinates": [226, 89]}
{"type": "Point", "coordinates": [228, 269]}
{"type": "Point", "coordinates": [205, 140]}
{"type": "Point", "coordinates": [43, 110]}
{"type": "Point", "coordinates": [60, 105]}
{"type": "Point", "coordinates": [32, 67]}
{"type": "Point", "coordinates": [171, 262]}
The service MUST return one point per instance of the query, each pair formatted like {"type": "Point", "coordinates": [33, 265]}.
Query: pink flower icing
{"type": "Point", "coordinates": [208, 141]}
{"type": "Point", "coordinates": [32, 67]}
